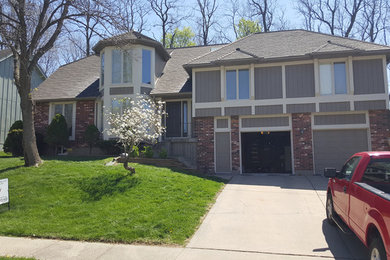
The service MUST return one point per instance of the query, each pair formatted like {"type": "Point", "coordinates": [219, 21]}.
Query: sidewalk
{"type": "Point", "coordinates": [58, 249]}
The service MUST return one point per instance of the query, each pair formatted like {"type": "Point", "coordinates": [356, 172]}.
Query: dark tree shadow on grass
{"type": "Point", "coordinates": [10, 168]}
{"type": "Point", "coordinates": [94, 188]}
{"type": "Point", "coordinates": [75, 158]}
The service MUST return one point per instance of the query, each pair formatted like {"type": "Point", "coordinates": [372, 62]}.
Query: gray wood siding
{"type": "Point", "coordinates": [265, 122]}
{"type": "Point", "coordinates": [222, 152]}
{"type": "Point", "coordinates": [268, 83]}
{"type": "Point", "coordinates": [271, 109]}
{"type": "Point", "coordinates": [222, 123]}
{"type": "Point", "coordinates": [333, 147]}
{"type": "Point", "coordinates": [145, 90]}
{"type": "Point", "coordinates": [121, 90]}
{"type": "Point", "coordinates": [238, 111]}
{"type": "Point", "coordinates": [370, 105]}
{"type": "Point", "coordinates": [159, 65]}
{"type": "Point", "coordinates": [199, 112]}
{"type": "Point", "coordinates": [368, 76]}
{"type": "Point", "coordinates": [300, 81]}
{"type": "Point", "coordinates": [301, 108]}
{"type": "Point", "coordinates": [334, 107]}
{"type": "Point", "coordinates": [340, 119]}
{"type": "Point", "coordinates": [207, 86]}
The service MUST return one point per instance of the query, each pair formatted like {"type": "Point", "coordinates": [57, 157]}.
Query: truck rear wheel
{"type": "Point", "coordinates": [377, 250]}
{"type": "Point", "coordinates": [330, 210]}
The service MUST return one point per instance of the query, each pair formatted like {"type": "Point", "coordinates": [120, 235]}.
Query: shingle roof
{"type": "Point", "coordinates": [79, 79]}
{"type": "Point", "coordinates": [174, 78]}
{"type": "Point", "coordinates": [284, 45]}
{"type": "Point", "coordinates": [131, 38]}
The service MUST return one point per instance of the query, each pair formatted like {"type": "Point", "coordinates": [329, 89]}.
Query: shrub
{"type": "Point", "coordinates": [135, 152]}
{"type": "Point", "coordinates": [14, 141]}
{"type": "Point", "coordinates": [163, 154]}
{"type": "Point", "coordinates": [147, 152]}
{"type": "Point", "coordinates": [41, 145]}
{"type": "Point", "coordinates": [91, 135]}
{"type": "Point", "coordinates": [110, 147]}
{"type": "Point", "coordinates": [57, 132]}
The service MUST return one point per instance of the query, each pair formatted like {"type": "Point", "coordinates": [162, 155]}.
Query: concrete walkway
{"type": "Point", "coordinates": [255, 217]}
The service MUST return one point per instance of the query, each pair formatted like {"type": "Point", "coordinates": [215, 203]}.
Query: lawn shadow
{"type": "Point", "coordinates": [94, 188]}
{"type": "Point", "coordinates": [66, 158]}
{"type": "Point", "coordinates": [10, 168]}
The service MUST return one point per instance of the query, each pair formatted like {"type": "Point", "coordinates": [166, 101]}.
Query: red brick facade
{"type": "Point", "coordinates": [204, 132]}
{"type": "Point", "coordinates": [235, 139]}
{"type": "Point", "coordinates": [379, 129]}
{"type": "Point", "coordinates": [41, 117]}
{"type": "Point", "coordinates": [85, 113]}
{"type": "Point", "coordinates": [302, 143]}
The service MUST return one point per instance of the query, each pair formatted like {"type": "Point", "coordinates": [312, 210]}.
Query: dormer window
{"type": "Point", "coordinates": [122, 71]}
{"type": "Point", "coordinates": [146, 66]}
{"type": "Point", "coordinates": [333, 78]}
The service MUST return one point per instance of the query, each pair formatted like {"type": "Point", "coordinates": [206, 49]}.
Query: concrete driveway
{"type": "Point", "coordinates": [276, 216]}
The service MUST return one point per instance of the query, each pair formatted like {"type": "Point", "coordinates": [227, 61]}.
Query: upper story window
{"type": "Point", "coordinates": [333, 78]}
{"type": "Point", "coordinates": [122, 71]}
{"type": "Point", "coordinates": [102, 68]}
{"type": "Point", "coordinates": [237, 84]}
{"type": "Point", "coordinates": [146, 66]}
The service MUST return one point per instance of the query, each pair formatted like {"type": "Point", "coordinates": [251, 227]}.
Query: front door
{"type": "Point", "coordinates": [341, 185]}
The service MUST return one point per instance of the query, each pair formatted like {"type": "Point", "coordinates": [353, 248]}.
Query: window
{"type": "Point", "coordinates": [102, 69]}
{"type": "Point", "coordinates": [118, 105]}
{"type": "Point", "coordinates": [333, 78]}
{"type": "Point", "coordinates": [377, 174]}
{"type": "Point", "coordinates": [127, 67]}
{"type": "Point", "coordinates": [349, 168]}
{"type": "Point", "coordinates": [66, 110]}
{"type": "Point", "coordinates": [122, 66]}
{"type": "Point", "coordinates": [116, 66]}
{"type": "Point", "coordinates": [237, 84]}
{"type": "Point", "coordinates": [146, 66]}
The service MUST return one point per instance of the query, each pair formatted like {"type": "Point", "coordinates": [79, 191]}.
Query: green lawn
{"type": "Point", "coordinates": [15, 258]}
{"type": "Point", "coordinates": [81, 199]}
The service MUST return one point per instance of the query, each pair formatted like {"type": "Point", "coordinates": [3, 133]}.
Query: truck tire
{"type": "Point", "coordinates": [377, 250]}
{"type": "Point", "coordinates": [330, 210]}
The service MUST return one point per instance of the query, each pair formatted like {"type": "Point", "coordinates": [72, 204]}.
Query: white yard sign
{"type": "Point", "coordinates": [4, 197]}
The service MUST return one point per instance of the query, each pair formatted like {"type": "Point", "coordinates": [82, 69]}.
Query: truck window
{"type": "Point", "coordinates": [377, 174]}
{"type": "Point", "coordinates": [349, 167]}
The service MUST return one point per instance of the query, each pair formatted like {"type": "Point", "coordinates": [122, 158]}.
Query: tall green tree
{"type": "Point", "coordinates": [246, 27]}
{"type": "Point", "coordinates": [180, 38]}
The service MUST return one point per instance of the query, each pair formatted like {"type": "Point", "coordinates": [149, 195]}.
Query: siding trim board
{"type": "Point", "coordinates": [265, 122]}
{"type": "Point", "coordinates": [270, 109]}
{"type": "Point", "coordinates": [342, 119]}
{"type": "Point", "coordinates": [202, 112]}
{"type": "Point", "coordinates": [301, 108]}
{"type": "Point", "coordinates": [334, 106]}
{"type": "Point", "coordinates": [238, 111]}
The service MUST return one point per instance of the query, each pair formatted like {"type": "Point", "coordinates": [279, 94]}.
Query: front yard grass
{"type": "Point", "coordinates": [81, 199]}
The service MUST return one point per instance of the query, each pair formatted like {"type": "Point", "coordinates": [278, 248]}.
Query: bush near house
{"type": "Point", "coordinates": [81, 199]}
{"type": "Point", "coordinates": [14, 142]}
{"type": "Point", "coordinates": [57, 132]}
{"type": "Point", "coordinates": [91, 136]}
{"type": "Point", "coordinates": [147, 152]}
{"type": "Point", "coordinates": [110, 147]}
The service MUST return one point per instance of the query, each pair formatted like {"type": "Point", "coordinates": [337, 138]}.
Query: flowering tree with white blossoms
{"type": "Point", "coordinates": [140, 120]}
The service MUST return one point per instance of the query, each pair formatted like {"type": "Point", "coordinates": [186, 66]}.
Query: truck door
{"type": "Point", "coordinates": [341, 185]}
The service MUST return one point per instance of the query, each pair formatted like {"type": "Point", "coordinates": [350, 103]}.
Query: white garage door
{"type": "Point", "coordinates": [333, 147]}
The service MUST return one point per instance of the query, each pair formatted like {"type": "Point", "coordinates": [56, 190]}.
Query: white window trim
{"type": "Point", "coordinates": [51, 115]}
{"type": "Point", "coordinates": [333, 87]}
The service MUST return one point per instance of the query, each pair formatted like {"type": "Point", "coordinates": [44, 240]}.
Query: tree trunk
{"type": "Point", "coordinates": [127, 167]}
{"type": "Point", "coordinates": [31, 155]}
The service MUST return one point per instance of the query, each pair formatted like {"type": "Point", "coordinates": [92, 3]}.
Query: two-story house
{"type": "Point", "coordinates": [278, 102]}
{"type": "Point", "coordinates": [10, 110]}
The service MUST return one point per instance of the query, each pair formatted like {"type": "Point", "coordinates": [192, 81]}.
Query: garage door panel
{"type": "Point", "coordinates": [333, 147]}
{"type": "Point", "coordinates": [222, 152]}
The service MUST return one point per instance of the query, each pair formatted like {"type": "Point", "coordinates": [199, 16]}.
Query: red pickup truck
{"type": "Point", "coordinates": [358, 196]}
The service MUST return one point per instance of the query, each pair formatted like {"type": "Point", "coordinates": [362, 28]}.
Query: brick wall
{"type": "Point", "coordinates": [204, 132]}
{"type": "Point", "coordinates": [85, 114]}
{"type": "Point", "coordinates": [379, 129]}
{"type": "Point", "coordinates": [302, 143]}
{"type": "Point", "coordinates": [41, 117]}
{"type": "Point", "coordinates": [235, 139]}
